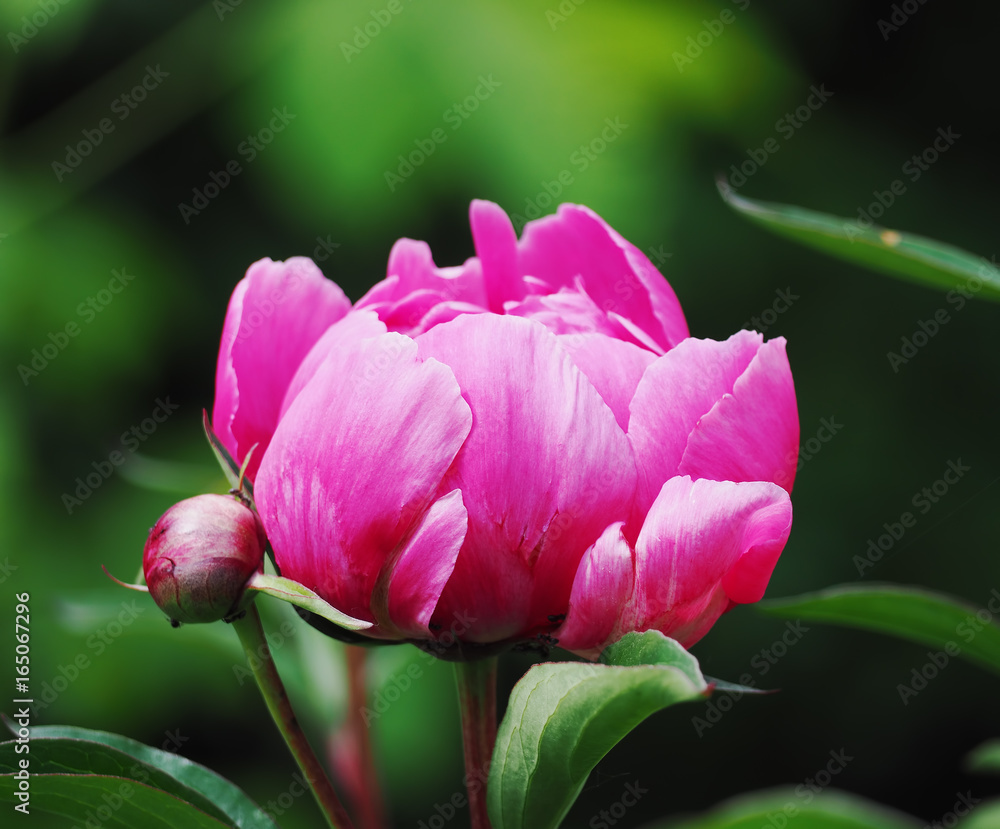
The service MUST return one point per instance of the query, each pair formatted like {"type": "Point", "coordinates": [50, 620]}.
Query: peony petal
{"type": "Point", "coordinates": [413, 263]}
{"type": "Point", "coordinates": [444, 312]}
{"type": "Point", "coordinates": [496, 248]}
{"type": "Point", "coordinates": [703, 545]}
{"type": "Point", "coordinates": [425, 564]}
{"type": "Point", "coordinates": [355, 462]}
{"type": "Point", "coordinates": [407, 299]}
{"type": "Point", "coordinates": [336, 343]}
{"type": "Point", "coordinates": [578, 242]}
{"type": "Point", "coordinates": [276, 313]}
{"type": "Point", "coordinates": [380, 295]}
{"type": "Point", "coordinates": [753, 433]}
{"type": "Point", "coordinates": [674, 394]}
{"type": "Point", "coordinates": [612, 366]}
{"type": "Point", "coordinates": [544, 470]}
{"type": "Point", "coordinates": [601, 591]}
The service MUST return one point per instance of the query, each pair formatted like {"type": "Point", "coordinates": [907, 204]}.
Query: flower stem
{"type": "Point", "coordinates": [251, 634]}
{"type": "Point", "coordinates": [354, 758]}
{"type": "Point", "coordinates": [477, 699]}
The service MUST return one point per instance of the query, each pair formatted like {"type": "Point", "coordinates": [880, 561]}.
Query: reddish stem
{"type": "Point", "coordinates": [355, 759]}
{"type": "Point", "coordinates": [477, 698]}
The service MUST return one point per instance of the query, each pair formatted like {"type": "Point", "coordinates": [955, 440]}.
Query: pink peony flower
{"type": "Point", "coordinates": [526, 446]}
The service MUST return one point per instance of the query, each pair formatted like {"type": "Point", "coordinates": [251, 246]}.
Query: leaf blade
{"type": "Point", "coordinates": [908, 256]}
{"type": "Point", "coordinates": [130, 804]}
{"type": "Point", "coordinates": [912, 613]}
{"type": "Point", "coordinates": [224, 794]}
{"type": "Point", "coordinates": [298, 594]}
{"type": "Point", "coordinates": [562, 718]}
{"type": "Point", "coordinates": [830, 809]}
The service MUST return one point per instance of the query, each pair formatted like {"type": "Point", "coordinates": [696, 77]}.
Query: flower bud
{"type": "Point", "coordinates": [200, 555]}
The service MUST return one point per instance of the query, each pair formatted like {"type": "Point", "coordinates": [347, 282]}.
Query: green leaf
{"type": "Point", "coordinates": [985, 758]}
{"type": "Point", "coordinates": [298, 594]}
{"type": "Point", "coordinates": [826, 810]}
{"type": "Point", "coordinates": [914, 258]}
{"type": "Point", "coordinates": [653, 648]}
{"type": "Point", "coordinates": [108, 801]}
{"type": "Point", "coordinates": [985, 816]}
{"type": "Point", "coordinates": [562, 718]}
{"type": "Point", "coordinates": [230, 468]}
{"type": "Point", "coordinates": [69, 749]}
{"type": "Point", "coordinates": [65, 756]}
{"type": "Point", "coordinates": [908, 612]}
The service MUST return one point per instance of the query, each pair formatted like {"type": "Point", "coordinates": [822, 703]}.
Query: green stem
{"type": "Point", "coordinates": [477, 699]}
{"type": "Point", "coordinates": [251, 634]}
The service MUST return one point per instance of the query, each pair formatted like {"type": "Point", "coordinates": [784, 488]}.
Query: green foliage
{"type": "Point", "coordinates": [778, 807]}
{"type": "Point", "coordinates": [906, 255]}
{"type": "Point", "coordinates": [985, 759]}
{"type": "Point", "coordinates": [562, 718]}
{"type": "Point", "coordinates": [907, 612]}
{"type": "Point", "coordinates": [75, 771]}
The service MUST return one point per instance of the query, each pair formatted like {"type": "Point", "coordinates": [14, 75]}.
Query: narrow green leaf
{"type": "Point", "coordinates": [108, 802]}
{"type": "Point", "coordinates": [562, 718]}
{"type": "Point", "coordinates": [778, 807]}
{"type": "Point", "coordinates": [908, 612]}
{"type": "Point", "coordinates": [298, 594]}
{"type": "Point", "coordinates": [985, 758]}
{"type": "Point", "coordinates": [229, 798]}
{"type": "Point", "coordinates": [230, 468]}
{"type": "Point", "coordinates": [907, 255]}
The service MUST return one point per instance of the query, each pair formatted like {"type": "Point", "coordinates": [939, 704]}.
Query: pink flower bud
{"type": "Point", "coordinates": [200, 555]}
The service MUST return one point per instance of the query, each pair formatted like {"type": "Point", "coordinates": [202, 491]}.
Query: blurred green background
{"type": "Point", "coordinates": [549, 74]}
